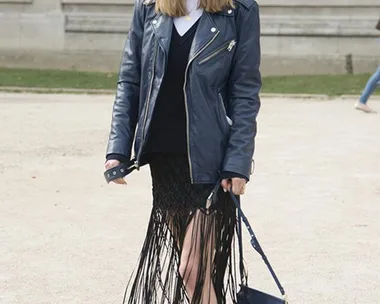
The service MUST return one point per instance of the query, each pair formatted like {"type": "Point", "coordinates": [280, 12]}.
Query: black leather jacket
{"type": "Point", "coordinates": [222, 80]}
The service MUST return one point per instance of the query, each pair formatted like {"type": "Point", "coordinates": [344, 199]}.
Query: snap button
{"type": "Point", "coordinates": [154, 21]}
{"type": "Point", "coordinates": [213, 29]}
{"type": "Point", "coordinates": [229, 11]}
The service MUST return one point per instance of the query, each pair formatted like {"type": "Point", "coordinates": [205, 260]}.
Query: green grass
{"type": "Point", "coordinates": [317, 84]}
{"type": "Point", "coordinates": [56, 79]}
{"type": "Point", "coordinates": [331, 85]}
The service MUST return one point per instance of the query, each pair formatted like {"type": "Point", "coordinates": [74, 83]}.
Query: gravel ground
{"type": "Point", "coordinates": [67, 237]}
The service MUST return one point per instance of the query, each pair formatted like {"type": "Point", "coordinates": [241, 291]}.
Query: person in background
{"type": "Point", "coordinates": [371, 86]}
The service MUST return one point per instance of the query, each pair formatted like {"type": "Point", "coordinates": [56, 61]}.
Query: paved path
{"type": "Point", "coordinates": [66, 237]}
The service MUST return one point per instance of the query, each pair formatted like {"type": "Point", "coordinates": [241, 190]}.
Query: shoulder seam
{"type": "Point", "coordinates": [247, 3]}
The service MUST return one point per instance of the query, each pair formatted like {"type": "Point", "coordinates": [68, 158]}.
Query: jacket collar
{"type": "Point", "coordinates": [207, 29]}
{"type": "Point", "coordinates": [163, 26]}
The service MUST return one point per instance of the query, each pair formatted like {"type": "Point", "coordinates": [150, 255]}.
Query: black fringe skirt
{"type": "Point", "coordinates": [188, 254]}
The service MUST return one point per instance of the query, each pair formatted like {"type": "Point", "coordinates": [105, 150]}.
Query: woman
{"type": "Point", "coordinates": [372, 83]}
{"type": "Point", "coordinates": [189, 82]}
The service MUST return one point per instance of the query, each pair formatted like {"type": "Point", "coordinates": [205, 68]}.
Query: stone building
{"type": "Point", "coordinates": [298, 36]}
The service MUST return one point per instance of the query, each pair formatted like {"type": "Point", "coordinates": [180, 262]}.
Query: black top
{"type": "Point", "coordinates": [167, 131]}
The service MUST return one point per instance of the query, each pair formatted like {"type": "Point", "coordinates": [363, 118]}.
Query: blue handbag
{"type": "Point", "coordinates": [247, 295]}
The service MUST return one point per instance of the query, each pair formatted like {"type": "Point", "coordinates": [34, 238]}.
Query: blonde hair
{"type": "Point", "coordinates": [177, 8]}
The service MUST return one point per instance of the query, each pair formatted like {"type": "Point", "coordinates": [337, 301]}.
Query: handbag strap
{"type": "Point", "coordinates": [119, 171]}
{"type": "Point", "coordinates": [243, 274]}
{"type": "Point", "coordinates": [254, 242]}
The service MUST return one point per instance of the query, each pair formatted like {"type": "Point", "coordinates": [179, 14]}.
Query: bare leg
{"type": "Point", "coordinates": [196, 262]}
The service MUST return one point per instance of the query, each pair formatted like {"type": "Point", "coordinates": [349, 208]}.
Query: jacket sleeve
{"type": "Point", "coordinates": [126, 105]}
{"type": "Point", "coordinates": [243, 93]}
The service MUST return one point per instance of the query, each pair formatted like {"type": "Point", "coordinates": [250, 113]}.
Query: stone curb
{"type": "Point", "coordinates": [112, 92]}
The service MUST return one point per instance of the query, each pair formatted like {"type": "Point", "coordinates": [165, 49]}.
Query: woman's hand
{"type": "Point", "coordinates": [237, 185]}
{"type": "Point", "coordinates": [112, 163]}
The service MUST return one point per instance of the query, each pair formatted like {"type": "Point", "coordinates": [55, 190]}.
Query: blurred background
{"type": "Point", "coordinates": [78, 44]}
{"type": "Point", "coordinates": [298, 36]}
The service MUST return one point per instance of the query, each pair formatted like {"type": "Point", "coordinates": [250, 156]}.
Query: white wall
{"type": "Point", "coordinates": [298, 36]}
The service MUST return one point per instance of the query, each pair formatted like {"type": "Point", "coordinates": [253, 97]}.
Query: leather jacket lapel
{"type": "Point", "coordinates": [163, 26]}
{"type": "Point", "coordinates": [206, 32]}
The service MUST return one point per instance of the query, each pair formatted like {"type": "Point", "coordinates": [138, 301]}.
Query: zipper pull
{"type": "Point", "coordinates": [231, 45]}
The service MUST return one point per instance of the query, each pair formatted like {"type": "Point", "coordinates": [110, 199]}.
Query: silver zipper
{"type": "Point", "coordinates": [186, 106]}
{"type": "Point", "coordinates": [223, 107]}
{"type": "Point", "coordinates": [231, 45]}
{"type": "Point", "coordinates": [229, 121]}
{"type": "Point", "coordinates": [147, 105]}
{"type": "Point", "coordinates": [227, 47]}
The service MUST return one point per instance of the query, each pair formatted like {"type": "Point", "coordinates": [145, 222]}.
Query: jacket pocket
{"type": "Point", "coordinates": [225, 116]}
{"type": "Point", "coordinates": [226, 47]}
